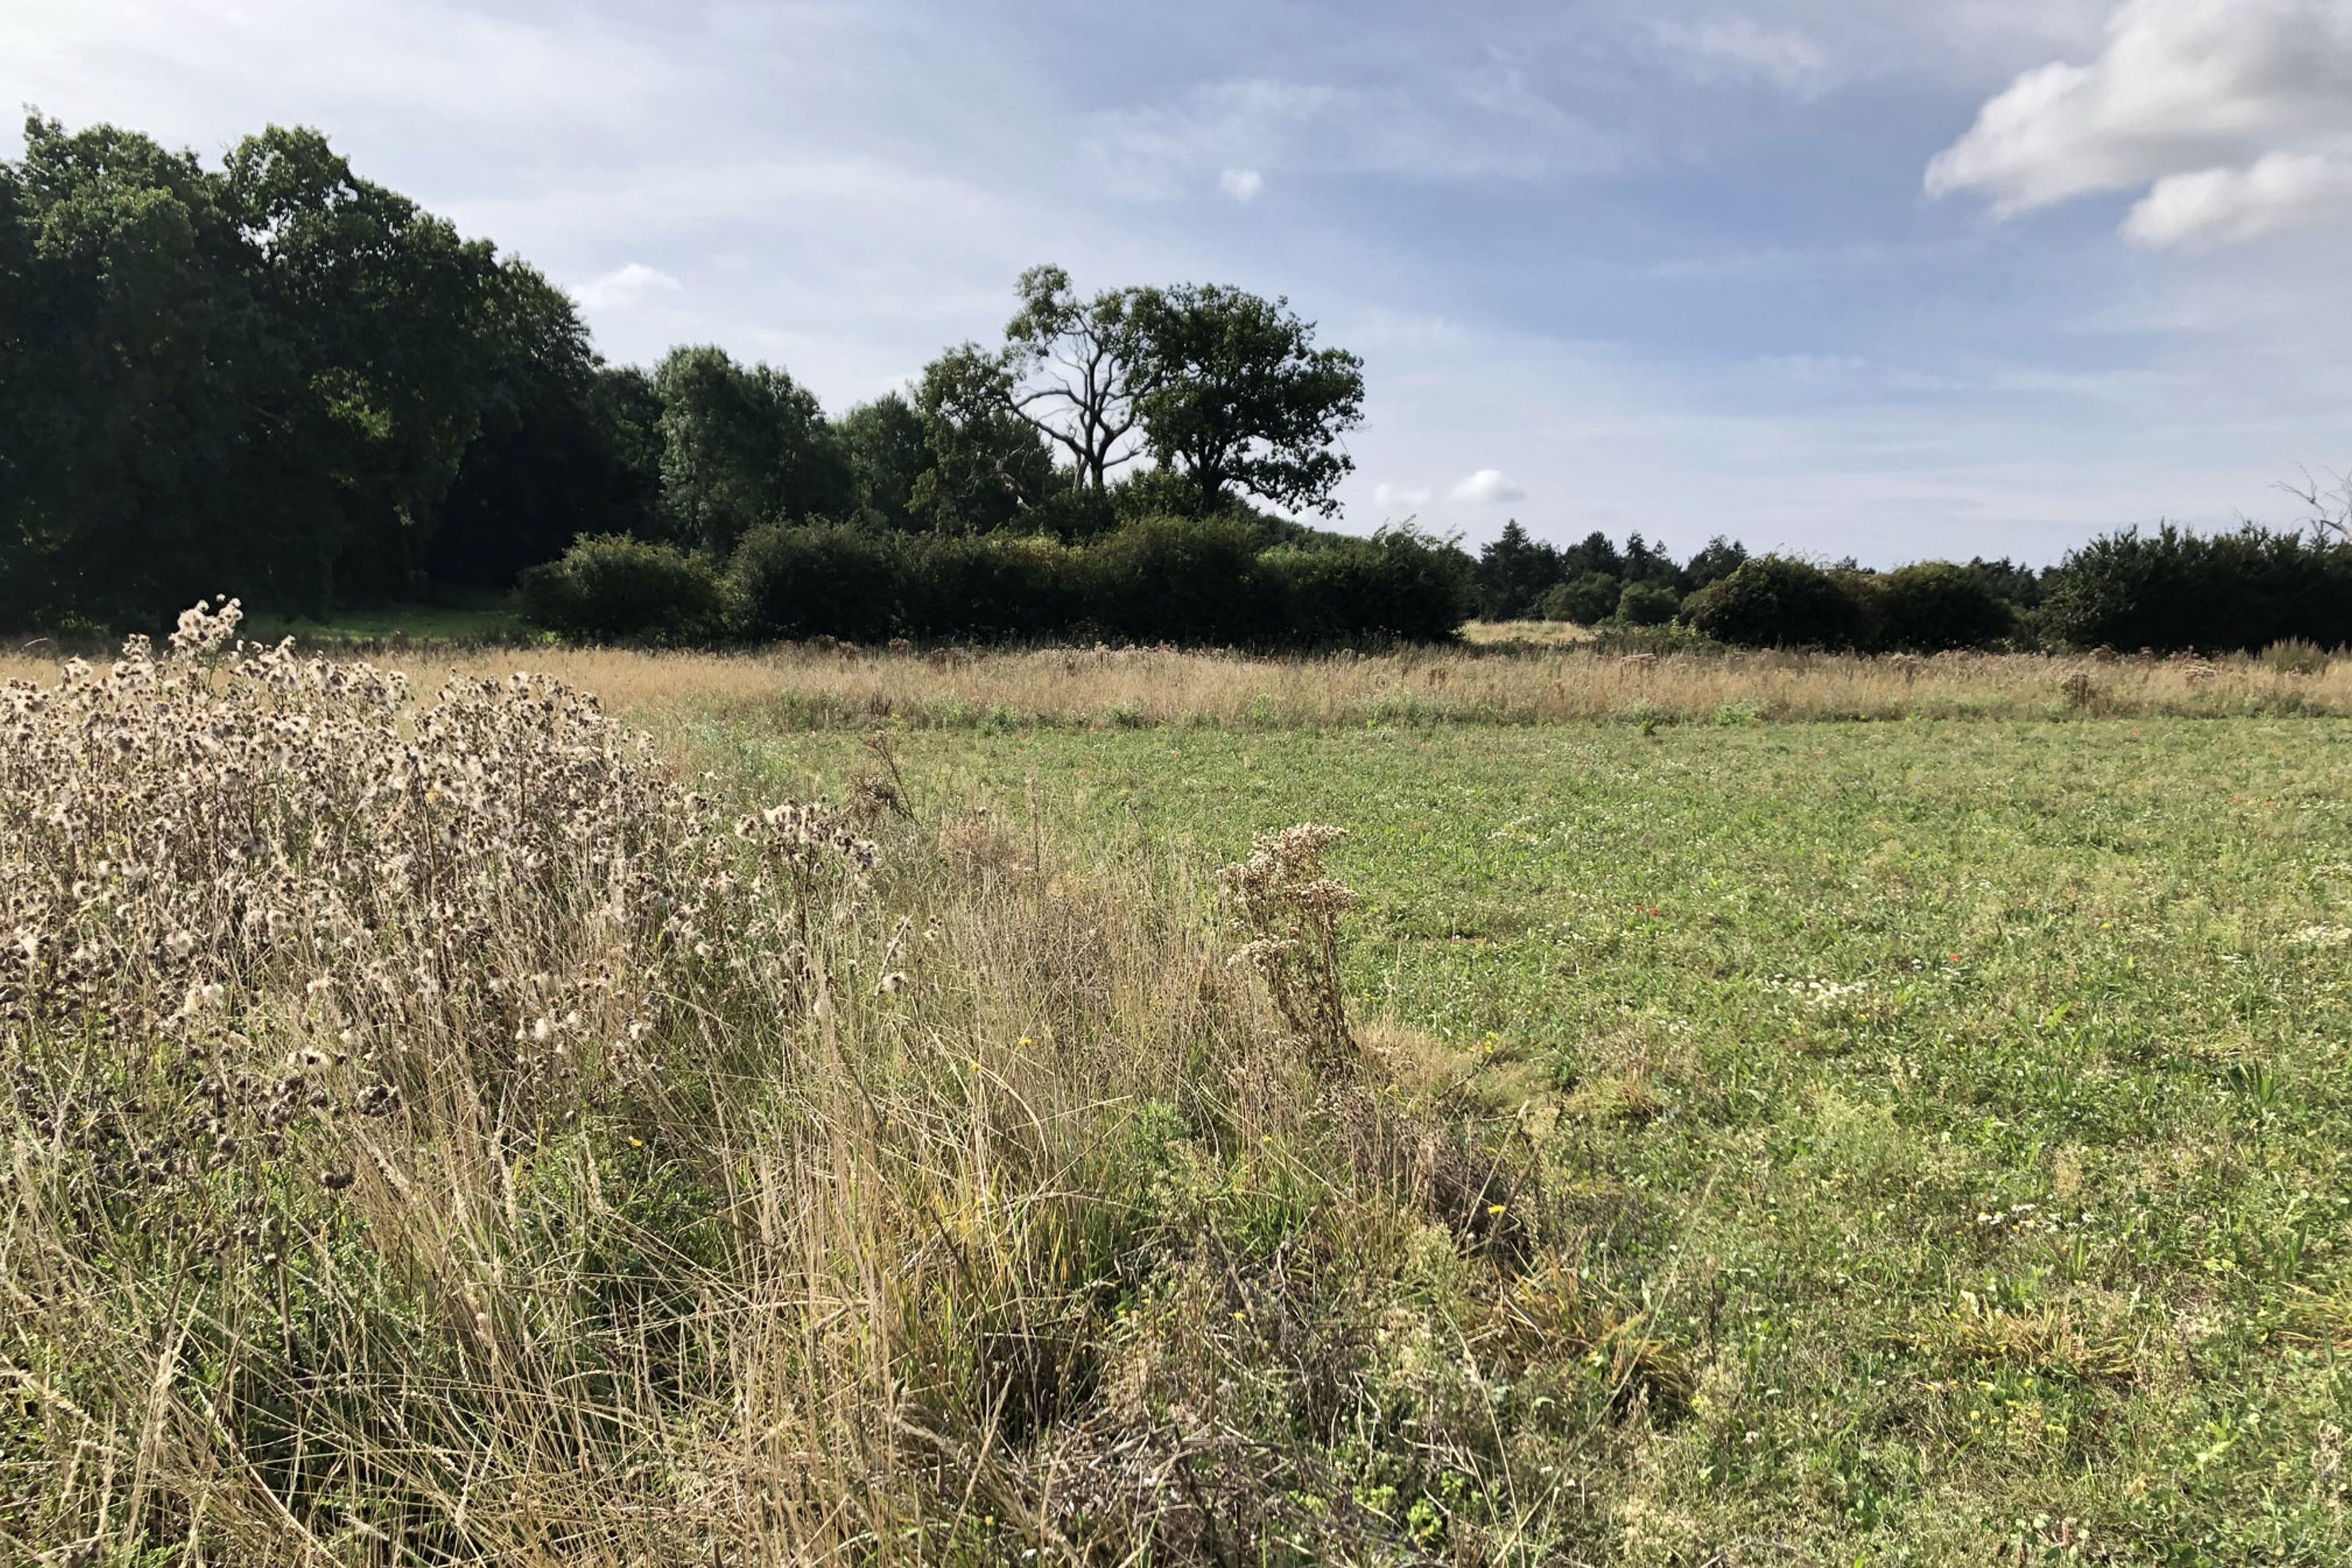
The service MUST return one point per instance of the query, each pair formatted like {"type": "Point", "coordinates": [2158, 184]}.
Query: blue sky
{"type": "Point", "coordinates": [1863, 277]}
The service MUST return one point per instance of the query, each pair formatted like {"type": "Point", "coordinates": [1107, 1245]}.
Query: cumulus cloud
{"type": "Point", "coordinates": [1242, 184]}
{"type": "Point", "coordinates": [624, 287]}
{"type": "Point", "coordinates": [1399, 495]}
{"type": "Point", "coordinates": [2235, 114]}
{"type": "Point", "coordinates": [2220, 206]}
{"type": "Point", "coordinates": [1489, 487]}
{"type": "Point", "coordinates": [1740, 48]}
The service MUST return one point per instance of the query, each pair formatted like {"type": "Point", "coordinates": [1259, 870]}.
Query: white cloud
{"type": "Point", "coordinates": [2220, 206]}
{"type": "Point", "coordinates": [1740, 48]}
{"type": "Point", "coordinates": [2231, 110]}
{"type": "Point", "coordinates": [1242, 184]}
{"type": "Point", "coordinates": [1478, 125]}
{"type": "Point", "coordinates": [624, 287]}
{"type": "Point", "coordinates": [1488, 486]}
{"type": "Point", "coordinates": [1385, 496]}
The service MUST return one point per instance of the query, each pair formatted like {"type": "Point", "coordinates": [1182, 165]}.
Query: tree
{"type": "Point", "coordinates": [396, 327]}
{"type": "Point", "coordinates": [564, 448]}
{"type": "Point", "coordinates": [989, 466]}
{"type": "Point", "coordinates": [1717, 560]}
{"type": "Point", "coordinates": [134, 469]}
{"type": "Point", "coordinates": [1513, 573]}
{"type": "Point", "coordinates": [1233, 393]}
{"type": "Point", "coordinates": [743, 445]}
{"type": "Point", "coordinates": [1593, 552]}
{"type": "Point", "coordinates": [887, 454]}
{"type": "Point", "coordinates": [1070, 371]}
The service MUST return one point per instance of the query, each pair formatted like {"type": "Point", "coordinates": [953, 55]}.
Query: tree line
{"type": "Point", "coordinates": [274, 378]}
{"type": "Point", "coordinates": [2167, 590]}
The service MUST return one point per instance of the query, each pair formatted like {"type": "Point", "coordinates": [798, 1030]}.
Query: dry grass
{"type": "Point", "coordinates": [815, 688]}
{"type": "Point", "coordinates": [1520, 672]}
{"type": "Point", "coordinates": [436, 1135]}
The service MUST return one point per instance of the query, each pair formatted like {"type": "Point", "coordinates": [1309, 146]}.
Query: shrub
{"type": "Point", "coordinates": [1776, 601]}
{"type": "Point", "coordinates": [804, 580]}
{"type": "Point", "coordinates": [1585, 599]}
{"type": "Point", "coordinates": [1934, 604]}
{"type": "Point", "coordinates": [1178, 579]}
{"type": "Point", "coordinates": [1647, 604]}
{"type": "Point", "coordinates": [989, 587]}
{"type": "Point", "coordinates": [613, 588]}
{"type": "Point", "coordinates": [2173, 589]}
{"type": "Point", "coordinates": [1397, 586]}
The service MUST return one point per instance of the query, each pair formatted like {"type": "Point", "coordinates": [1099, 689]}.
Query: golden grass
{"type": "Point", "coordinates": [1510, 672]}
{"type": "Point", "coordinates": [814, 687]}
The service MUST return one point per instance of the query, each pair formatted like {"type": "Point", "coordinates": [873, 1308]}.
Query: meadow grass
{"type": "Point", "coordinates": [810, 688]}
{"type": "Point", "coordinates": [441, 1131]}
{"type": "Point", "coordinates": [1966, 1102]}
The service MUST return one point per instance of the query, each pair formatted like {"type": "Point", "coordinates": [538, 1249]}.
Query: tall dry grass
{"type": "Point", "coordinates": [815, 688]}
{"type": "Point", "coordinates": [438, 1133]}
{"type": "Point", "coordinates": [1504, 673]}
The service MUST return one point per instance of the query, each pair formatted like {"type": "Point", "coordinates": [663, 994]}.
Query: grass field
{"type": "Point", "coordinates": [1967, 1102]}
{"type": "Point", "coordinates": [1921, 1140]}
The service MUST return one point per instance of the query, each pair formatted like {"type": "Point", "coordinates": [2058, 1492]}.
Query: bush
{"type": "Point", "coordinates": [2172, 591]}
{"type": "Point", "coordinates": [1647, 604]}
{"type": "Point", "coordinates": [1586, 599]}
{"type": "Point", "coordinates": [613, 588]}
{"type": "Point", "coordinates": [1935, 605]}
{"type": "Point", "coordinates": [1775, 601]}
{"type": "Point", "coordinates": [988, 588]}
{"type": "Point", "coordinates": [1397, 586]}
{"type": "Point", "coordinates": [1178, 579]}
{"type": "Point", "coordinates": [820, 579]}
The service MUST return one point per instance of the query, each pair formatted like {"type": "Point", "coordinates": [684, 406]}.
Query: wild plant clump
{"type": "Point", "coordinates": [1291, 910]}
{"type": "Point", "coordinates": [439, 1134]}
{"type": "Point", "coordinates": [262, 864]}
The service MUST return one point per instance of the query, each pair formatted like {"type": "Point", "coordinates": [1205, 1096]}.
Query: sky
{"type": "Point", "coordinates": [1865, 277]}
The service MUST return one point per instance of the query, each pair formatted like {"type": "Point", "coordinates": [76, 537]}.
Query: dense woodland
{"type": "Point", "coordinates": [275, 379]}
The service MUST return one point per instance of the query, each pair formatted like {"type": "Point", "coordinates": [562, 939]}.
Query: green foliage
{"type": "Point", "coordinates": [1585, 599]}
{"type": "Point", "coordinates": [1934, 605]}
{"type": "Point", "coordinates": [742, 447]}
{"type": "Point", "coordinates": [1399, 585]}
{"type": "Point", "coordinates": [1515, 571]}
{"type": "Point", "coordinates": [1647, 604]}
{"type": "Point", "coordinates": [988, 466]}
{"type": "Point", "coordinates": [1236, 396]}
{"type": "Point", "coordinates": [1777, 600]}
{"type": "Point", "coordinates": [1717, 560]}
{"type": "Point", "coordinates": [885, 445]}
{"type": "Point", "coordinates": [613, 588]}
{"type": "Point", "coordinates": [989, 588]}
{"type": "Point", "coordinates": [264, 377]}
{"type": "Point", "coordinates": [1179, 579]}
{"type": "Point", "coordinates": [806, 580]}
{"type": "Point", "coordinates": [2174, 590]}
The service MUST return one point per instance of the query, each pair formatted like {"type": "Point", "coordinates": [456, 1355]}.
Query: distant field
{"type": "Point", "coordinates": [488, 622]}
{"type": "Point", "coordinates": [1969, 1102]}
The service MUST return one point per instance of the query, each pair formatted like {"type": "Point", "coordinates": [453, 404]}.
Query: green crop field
{"type": "Point", "coordinates": [1966, 1103]}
